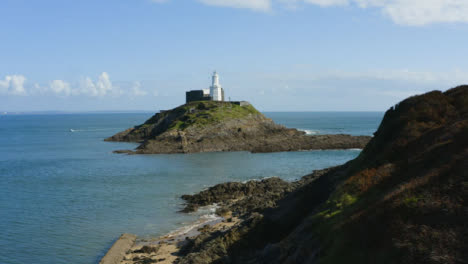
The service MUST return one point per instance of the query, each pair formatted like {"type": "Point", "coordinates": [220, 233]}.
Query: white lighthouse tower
{"type": "Point", "coordinates": [216, 91]}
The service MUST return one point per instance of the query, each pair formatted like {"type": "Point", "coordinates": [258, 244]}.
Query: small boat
{"type": "Point", "coordinates": [71, 130]}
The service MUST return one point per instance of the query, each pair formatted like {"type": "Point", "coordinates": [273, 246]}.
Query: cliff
{"type": "Point", "coordinates": [210, 126]}
{"type": "Point", "coordinates": [403, 200]}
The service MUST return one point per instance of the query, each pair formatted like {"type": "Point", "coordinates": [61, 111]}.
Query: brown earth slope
{"type": "Point", "coordinates": [403, 200]}
{"type": "Point", "coordinates": [222, 126]}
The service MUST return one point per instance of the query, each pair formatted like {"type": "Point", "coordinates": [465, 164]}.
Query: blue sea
{"type": "Point", "coordinates": [65, 197]}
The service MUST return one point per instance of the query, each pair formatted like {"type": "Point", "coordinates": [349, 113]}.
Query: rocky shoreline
{"type": "Point", "coordinates": [222, 126]}
{"type": "Point", "coordinates": [239, 206]}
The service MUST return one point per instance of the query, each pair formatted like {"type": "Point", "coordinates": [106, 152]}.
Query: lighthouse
{"type": "Point", "coordinates": [216, 91]}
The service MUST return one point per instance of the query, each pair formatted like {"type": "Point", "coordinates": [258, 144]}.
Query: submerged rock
{"type": "Point", "coordinates": [211, 126]}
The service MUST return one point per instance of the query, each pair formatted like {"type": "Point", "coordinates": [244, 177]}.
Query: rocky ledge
{"type": "Point", "coordinates": [210, 126]}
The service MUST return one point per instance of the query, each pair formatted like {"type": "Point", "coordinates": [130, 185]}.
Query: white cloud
{"type": "Point", "coordinates": [260, 5]}
{"type": "Point", "coordinates": [5, 84]}
{"type": "Point", "coordinates": [409, 12]}
{"type": "Point", "coordinates": [103, 86]}
{"type": "Point", "coordinates": [327, 2]}
{"type": "Point", "coordinates": [61, 87]}
{"type": "Point", "coordinates": [13, 84]}
{"type": "Point", "coordinates": [137, 91]}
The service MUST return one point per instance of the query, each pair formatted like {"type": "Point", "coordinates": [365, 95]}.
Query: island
{"type": "Point", "coordinates": [215, 126]}
{"type": "Point", "coordinates": [207, 123]}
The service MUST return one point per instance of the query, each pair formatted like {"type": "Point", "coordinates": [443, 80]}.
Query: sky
{"type": "Point", "coordinates": [281, 55]}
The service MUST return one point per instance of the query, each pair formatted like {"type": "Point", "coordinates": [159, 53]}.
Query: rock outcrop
{"type": "Point", "coordinates": [210, 126]}
{"type": "Point", "coordinates": [403, 200]}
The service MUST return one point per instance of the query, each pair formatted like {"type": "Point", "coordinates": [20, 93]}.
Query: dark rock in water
{"type": "Point", "coordinates": [403, 200]}
{"type": "Point", "coordinates": [259, 194]}
{"type": "Point", "coordinates": [222, 126]}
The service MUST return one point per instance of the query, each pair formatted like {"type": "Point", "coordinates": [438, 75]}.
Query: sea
{"type": "Point", "coordinates": [65, 197]}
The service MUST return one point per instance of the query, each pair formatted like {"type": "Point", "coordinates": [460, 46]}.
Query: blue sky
{"type": "Point", "coordinates": [281, 55]}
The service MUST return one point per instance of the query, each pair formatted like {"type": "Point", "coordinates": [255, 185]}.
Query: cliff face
{"type": "Point", "coordinates": [221, 126]}
{"type": "Point", "coordinates": [403, 200]}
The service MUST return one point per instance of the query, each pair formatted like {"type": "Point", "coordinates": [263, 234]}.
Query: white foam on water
{"type": "Point", "coordinates": [310, 132]}
{"type": "Point", "coordinates": [207, 215]}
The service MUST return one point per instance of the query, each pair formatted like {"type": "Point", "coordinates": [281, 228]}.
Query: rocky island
{"type": "Point", "coordinates": [214, 126]}
{"type": "Point", "coordinates": [403, 200]}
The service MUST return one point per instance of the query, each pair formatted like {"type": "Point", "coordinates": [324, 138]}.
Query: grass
{"type": "Point", "coordinates": [206, 113]}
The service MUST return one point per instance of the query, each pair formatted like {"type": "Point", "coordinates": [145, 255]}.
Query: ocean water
{"type": "Point", "coordinates": [65, 197]}
{"type": "Point", "coordinates": [354, 123]}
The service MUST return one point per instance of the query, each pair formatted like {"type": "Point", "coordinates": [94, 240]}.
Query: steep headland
{"type": "Point", "coordinates": [403, 200]}
{"type": "Point", "coordinates": [210, 126]}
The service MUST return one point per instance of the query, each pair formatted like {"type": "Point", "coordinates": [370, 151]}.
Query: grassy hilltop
{"type": "Point", "coordinates": [206, 113]}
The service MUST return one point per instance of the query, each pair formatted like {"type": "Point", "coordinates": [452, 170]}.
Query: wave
{"type": "Point", "coordinates": [208, 217]}
{"type": "Point", "coordinates": [310, 132]}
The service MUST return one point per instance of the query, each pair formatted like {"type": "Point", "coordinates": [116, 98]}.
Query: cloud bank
{"type": "Point", "coordinates": [403, 12]}
{"type": "Point", "coordinates": [305, 77]}
{"type": "Point", "coordinates": [14, 85]}
{"type": "Point", "coordinates": [410, 12]}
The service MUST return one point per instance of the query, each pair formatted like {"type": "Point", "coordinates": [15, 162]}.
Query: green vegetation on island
{"type": "Point", "coordinates": [205, 113]}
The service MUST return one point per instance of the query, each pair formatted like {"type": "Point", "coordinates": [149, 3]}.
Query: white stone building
{"type": "Point", "coordinates": [216, 91]}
